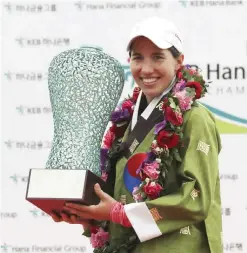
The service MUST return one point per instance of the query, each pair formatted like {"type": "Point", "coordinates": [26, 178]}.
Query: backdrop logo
{"type": "Point", "coordinates": [22, 109]}
{"type": "Point", "coordinates": [231, 177]}
{"type": "Point", "coordinates": [28, 145]}
{"type": "Point", "coordinates": [226, 211]}
{"type": "Point", "coordinates": [70, 248]}
{"type": "Point", "coordinates": [233, 246]}
{"type": "Point", "coordinates": [25, 76]}
{"type": "Point", "coordinates": [8, 215]}
{"type": "Point", "coordinates": [44, 41]}
{"type": "Point", "coordinates": [30, 8]}
{"type": "Point", "coordinates": [183, 2]}
{"type": "Point", "coordinates": [210, 3]}
{"type": "Point", "coordinates": [36, 213]}
{"type": "Point", "coordinates": [228, 123]}
{"type": "Point", "coordinates": [94, 5]}
{"type": "Point", "coordinates": [5, 248]}
{"type": "Point", "coordinates": [17, 178]}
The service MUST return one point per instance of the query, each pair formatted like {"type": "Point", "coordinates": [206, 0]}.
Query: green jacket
{"type": "Point", "coordinates": [189, 219]}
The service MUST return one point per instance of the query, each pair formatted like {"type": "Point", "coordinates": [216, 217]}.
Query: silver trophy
{"type": "Point", "coordinates": [85, 86]}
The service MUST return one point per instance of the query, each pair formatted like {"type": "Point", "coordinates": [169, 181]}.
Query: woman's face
{"type": "Point", "coordinates": [152, 68]}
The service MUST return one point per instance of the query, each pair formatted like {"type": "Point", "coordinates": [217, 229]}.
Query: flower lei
{"type": "Point", "coordinates": [189, 87]}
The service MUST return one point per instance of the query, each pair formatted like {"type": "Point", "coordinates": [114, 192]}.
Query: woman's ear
{"type": "Point", "coordinates": [180, 61]}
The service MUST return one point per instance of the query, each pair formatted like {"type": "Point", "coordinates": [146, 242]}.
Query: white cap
{"type": "Point", "coordinates": [162, 32]}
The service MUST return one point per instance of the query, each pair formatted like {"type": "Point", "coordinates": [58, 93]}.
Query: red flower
{"type": "Point", "coordinates": [179, 73]}
{"type": "Point", "coordinates": [136, 92]}
{"type": "Point", "coordinates": [94, 229]}
{"type": "Point", "coordinates": [118, 130]}
{"type": "Point", "coordinates": [128, 105]}
{"type": "Point", "coordinates": [165, 103]}
{"type": "Point", "coordinates": [197, 86]}
{"type": "Point", "coordinates": [113, 128]}
{"type": "Point", "coordinates": [173, 117]}
{"type": "Point", "coordinates": [152, 189]}
{"type": "Point", "coordinates": [166, 139]}
{"type": "Point", "coordinates": [108, 138]}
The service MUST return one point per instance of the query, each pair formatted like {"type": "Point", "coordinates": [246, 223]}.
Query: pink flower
{"type": "Point", "coordinates": [99, 238]}
{"type": "Point", "coordinates": [185, 100]}
{"type": "Point", "coordinates": [108, 139]}
{"type": "Point", "coordinates": [155, 148]}
{"type": "Point", "coordinates": [179, 86]}
{"type": "Point", "coordinates": [151, 170]}
{"type": "Point", "coordinates": [154, 144]}
{"type": "Point", "coordinates": [104, 176]}
{"type": "Point", "coordinates": [192, 71]}
{"type": "Point", "coordinates": [137, 194]}
{"type": "Point", "coordinates": [152, 189]}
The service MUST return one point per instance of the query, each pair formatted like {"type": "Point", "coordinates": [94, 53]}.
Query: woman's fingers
{"type": "Point", "coordinates": [55, 217]}
{"type": "Point", "coordinates": [84, 222]}
{"type": "Point", "coordinates": [72, 219]}
{"type": "Point", "coordinates": [65, 217]}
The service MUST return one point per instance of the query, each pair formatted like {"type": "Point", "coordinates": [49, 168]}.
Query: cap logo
{"type": "Point", "coordinates": [178, 37]}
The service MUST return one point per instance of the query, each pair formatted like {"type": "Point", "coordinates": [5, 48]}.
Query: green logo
{"type": "Point", "coordinates": [183, 3]}
{"type": "Point", "coordinates": [4, 248]}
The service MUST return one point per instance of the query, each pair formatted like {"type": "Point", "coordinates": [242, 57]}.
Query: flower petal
{"type": "Point", "coordinates": [159, 126]}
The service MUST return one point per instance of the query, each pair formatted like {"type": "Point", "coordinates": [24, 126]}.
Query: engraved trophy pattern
{"type": "Point", "coordinates": [85, 86]}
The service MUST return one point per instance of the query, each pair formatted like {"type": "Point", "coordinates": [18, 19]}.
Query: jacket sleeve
{"type": "Point", "coordinates": [199, 172]}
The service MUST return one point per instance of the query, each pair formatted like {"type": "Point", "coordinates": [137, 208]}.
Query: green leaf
{"type": "Point", "coordinates": [173, 127]}
{"type": "Point", "coordinates": [177, 155]}
{"type": "Point", "coordinates": [172, 103]}
{"type": "Point", "coordinates": [176, 101]}
{"type": "Point", "coordinates": [190, 91]}
{"type": "Point", "coordinates": [87, 233]}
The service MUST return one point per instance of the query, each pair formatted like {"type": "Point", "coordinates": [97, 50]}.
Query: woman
{"type": "Point", "coordinates": [164, 166]}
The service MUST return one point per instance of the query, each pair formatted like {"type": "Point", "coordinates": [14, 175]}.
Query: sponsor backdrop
{"type": "Point", "coordinates": [215, 39]}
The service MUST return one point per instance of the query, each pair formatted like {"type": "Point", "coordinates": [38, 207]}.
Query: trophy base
{"type": "Point", "coordinates": [50, 189]}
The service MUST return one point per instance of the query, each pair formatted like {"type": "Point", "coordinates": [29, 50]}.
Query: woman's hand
{"type": "Point", "coordinates": [95, 212]}
{"type": "Point", "coordinates": [71, 219]}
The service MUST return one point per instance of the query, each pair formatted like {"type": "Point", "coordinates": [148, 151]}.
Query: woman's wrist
{"type": "Point", "coordinates": [118, 215]}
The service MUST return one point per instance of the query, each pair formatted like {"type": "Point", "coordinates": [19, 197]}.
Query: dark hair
{"type": "Point", "coordinates": [175, 53]}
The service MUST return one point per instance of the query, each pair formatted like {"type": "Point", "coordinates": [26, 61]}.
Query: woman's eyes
{"type": "Point", "coordinates": [137, 58]}
{"type": "Point", "coordinates": [158, 57]}
{"type": "Point", "coordinates": [155, 57]}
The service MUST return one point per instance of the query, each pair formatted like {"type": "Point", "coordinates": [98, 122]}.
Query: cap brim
{"type": "Point", "coordinates": [160, 44]}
